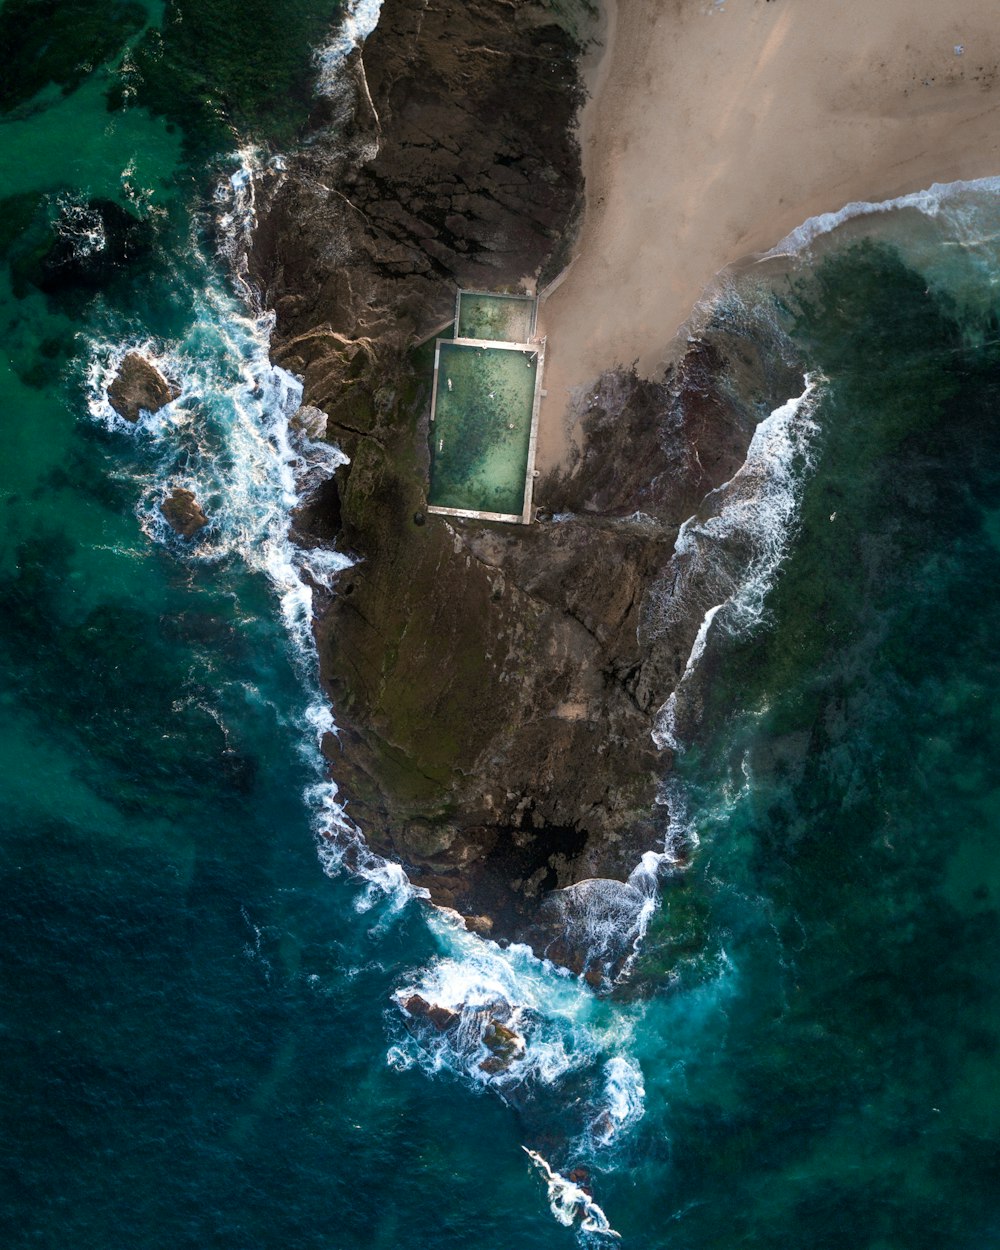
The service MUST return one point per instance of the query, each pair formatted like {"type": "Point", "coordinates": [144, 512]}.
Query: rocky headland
{"type": "Point", "coordinates": [495, 686]}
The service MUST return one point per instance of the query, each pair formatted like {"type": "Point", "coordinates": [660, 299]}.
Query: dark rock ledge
{"type": "Point", "coordinates": [495, 685]}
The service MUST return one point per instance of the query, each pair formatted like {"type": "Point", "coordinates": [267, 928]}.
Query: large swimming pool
{"type": "Point", "coordinates": [481, 427]}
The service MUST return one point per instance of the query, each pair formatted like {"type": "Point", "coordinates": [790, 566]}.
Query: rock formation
{"type": "Point", "coordinates": [139, 386]}
{"type": "Point", "coordinates": [183, 512]}
{"type": "Point", "coordinates": [495, 686]}
{"type": "Point", "coordinates": [449, 161]}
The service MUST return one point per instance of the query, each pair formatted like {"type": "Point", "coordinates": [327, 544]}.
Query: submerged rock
{"type": "Point", "coordinates": [94, 242]}
{"type": "Point", "coordinates": [183, 512]}
{"type": "Point", "coordinates": [139, 387]}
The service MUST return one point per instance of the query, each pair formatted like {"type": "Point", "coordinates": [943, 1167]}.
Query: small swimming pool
{"type": "Point", "coordinates": [503, 318]}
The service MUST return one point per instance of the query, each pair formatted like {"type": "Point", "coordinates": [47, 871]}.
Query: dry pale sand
{"type": "Point", "coordinates": [714, 129]}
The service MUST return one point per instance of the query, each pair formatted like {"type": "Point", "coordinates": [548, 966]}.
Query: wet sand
{"type": "Point", "coordinates": [714, 129]}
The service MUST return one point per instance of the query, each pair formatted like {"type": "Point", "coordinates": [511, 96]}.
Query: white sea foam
{"type": "Point", "coordinates": [624, 1099]}
{"type": "Point", "coordinates": [726, 560]}
{"type": "Point", "coordinates": [570, 1202]}
{"type": "Point", "coordinates": [727, 555]}
{"type": "Point", "coordinates": [361, 19]}
{"type": "Point", "coordinates": [481, 983]}
{"type": "Point", "coordinates": [948, 233]}
{"type": "Point", "coordinates": [236, 202]}
{"type": "Point", "coordinates": [230, 438]}
{"type": "Point", "coordinates": [81, 226]}
{"type": "Point", "coordinates": [227, 438]}
{"type": "Point", "coordinates": [558, 1033]}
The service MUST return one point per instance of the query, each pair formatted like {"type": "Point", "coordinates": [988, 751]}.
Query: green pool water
{"type": "Point", "coordinates": [482, 428]}
{"type": "Point", "coordinates": [503, 318]}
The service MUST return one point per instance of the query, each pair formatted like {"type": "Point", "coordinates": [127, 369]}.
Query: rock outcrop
{"type": "Point", "coordinates": [441, 1018]}
{"type": "Point", "coordinates": [139, 387]}
{"type": "Point", "coordinates": [495, 686]}
{"type": "Point", "coordinates": [183, 513]}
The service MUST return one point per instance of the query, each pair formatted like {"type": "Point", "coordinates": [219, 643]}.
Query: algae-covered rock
{"type": "Point", "coordinates": [502, 1041]}
{"type": "Point", "coordinates": [504, 1044]}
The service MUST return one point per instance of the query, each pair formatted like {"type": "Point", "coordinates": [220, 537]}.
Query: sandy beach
{"type": "Point", "coordinates": [714, 129]}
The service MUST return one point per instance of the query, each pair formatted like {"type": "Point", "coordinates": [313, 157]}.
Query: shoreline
{"type": "Point", "coordinates": [711, 133]}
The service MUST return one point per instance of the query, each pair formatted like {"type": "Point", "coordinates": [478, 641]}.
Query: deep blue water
{"type": "Point", "coordinates": [200, 1039]}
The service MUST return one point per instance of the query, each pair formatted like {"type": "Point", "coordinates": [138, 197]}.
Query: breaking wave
{"type": "Point", "coordinates": [569, 1201]}
{"type": "Point", "coordinates": [947, 232]}
{"type": "Point", "coordinates": [361, 19]}
{"type": "Point", "coordinates": [727, 555]}
{"type": "Point", "coordinates": [951, 198]}
{"type": "Point", "coordinates": [537, 1037]}
{"type": "Point", "coordinates": [493, 1018]}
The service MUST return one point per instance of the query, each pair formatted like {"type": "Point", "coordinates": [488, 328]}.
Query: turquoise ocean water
{"type": "Point", "coordinates": [201, 1043]}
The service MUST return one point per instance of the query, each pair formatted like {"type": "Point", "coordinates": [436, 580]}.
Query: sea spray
{"type": "Point", "coordinates": [724, 563]}
{"type": "Point", "coordinates": [236, 201]}
{"type": "Point", "coordinates": [502, 1019]}
{"type": "Point", "coordinates": [571, 1045]}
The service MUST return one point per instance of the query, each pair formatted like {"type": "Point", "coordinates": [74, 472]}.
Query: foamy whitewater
{"type": "Point", "coordinates": [940, 197]}
{"type": "Point", "coordinates": [232, 438]}
{"type": "Point", "coordinates": [792, 1002]}
{"type": "Point", "coordinates": [727, 555]}
{"type": "Point", "coordinates": [961, 264]}
{"type": "Point", "coordinates": [362, 18]}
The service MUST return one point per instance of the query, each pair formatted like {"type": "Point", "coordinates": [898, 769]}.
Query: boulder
{"type": "Point", "coordinates": [420, 1009]}
{"type": "Point", "coordinates": [139, 387]}
{"type": "Point", "coordinates": [504, 1046]}
{"type": "Point", "coordinates": [183, 512]}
